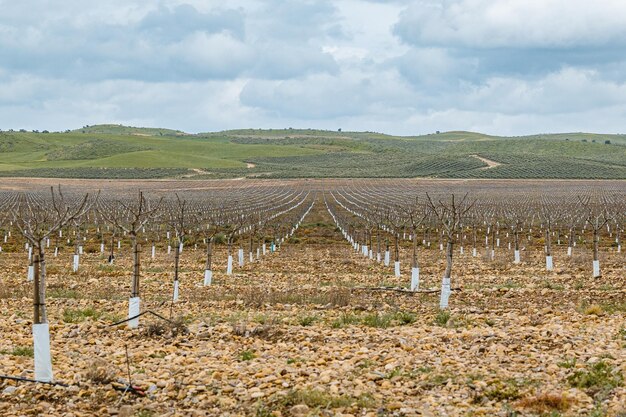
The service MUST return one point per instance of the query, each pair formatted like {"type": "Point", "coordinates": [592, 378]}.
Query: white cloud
{"type": "Point", "coordinates": [514, 23]}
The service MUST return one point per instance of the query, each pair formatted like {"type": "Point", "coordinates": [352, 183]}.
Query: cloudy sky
{"type": "Point", "coordinates": [405, 67]}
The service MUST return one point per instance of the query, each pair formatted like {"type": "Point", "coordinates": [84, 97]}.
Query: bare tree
{"type": "Point", "coordinates": [131, 217]}
{"type": "Point", "coordinates": [449, 216]}
{"type": "Point", "coordinates": [37, 219]}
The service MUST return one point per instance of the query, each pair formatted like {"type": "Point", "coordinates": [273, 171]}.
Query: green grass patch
{"type": "Point", "coordinates": [20, 351]}
{"type": "Point", "coordinates": [318, 399]}
{"type": "Point", "coordinates": [80, 315]}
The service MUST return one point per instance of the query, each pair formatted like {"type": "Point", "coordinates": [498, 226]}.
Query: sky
{"type": "Point", "coordinates": [505, 67]}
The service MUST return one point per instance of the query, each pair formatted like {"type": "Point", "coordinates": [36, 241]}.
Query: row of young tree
{"type": "Point", "coordinates": [45, 222]}
{"type": "Point", "coordinates": [379, 222]}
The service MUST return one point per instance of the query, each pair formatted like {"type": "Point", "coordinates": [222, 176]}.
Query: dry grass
{"type": "Point", "coordinates": [545, 403]}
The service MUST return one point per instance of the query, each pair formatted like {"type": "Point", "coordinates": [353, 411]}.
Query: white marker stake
{"type": "Point", "coordinates": [415, 278]}
{"type": "Point", "coordinates": [596, 269]}
{"type": "Point", "coordinates": [41, 345]}
{"type": "Point", "coordinates": [133, 310]}
{"type": "Point", "coordinates": [397, 268]}
{"type": "Point", "coordinates": [229, 266]}
{"type": "Point", "coordinates": [445, 293]}
{"type": "Point", "coordinates": [208, 276]}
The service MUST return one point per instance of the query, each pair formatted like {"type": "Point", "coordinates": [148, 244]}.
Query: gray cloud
{"type": "Point", "coordinates": [505, 66]}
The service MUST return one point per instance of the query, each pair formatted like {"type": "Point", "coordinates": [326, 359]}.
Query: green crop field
{"type": "Point", "coordinates": [113, 151]}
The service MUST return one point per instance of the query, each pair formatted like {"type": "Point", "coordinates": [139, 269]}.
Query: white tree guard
{"type": "Point", "coordinates": [474, 252]}
{"type": "Point", "coordinates": [549, 265]}
{"type": "Point", "coordinates": [229, 265]}
{"type": "Point", "coordinates": [396, 268]}
{"type": "Point", "coordinates": [41, 348]}
{"type": "Point", "coordinates": [240, 254]}
{"type": "Point", "coordinates": [31, 273]}
{"type": "Point", "coordinates": [80, 249]}
{"type": "Point", "coordinates": [517, 257]}
{"type": "Point", "coordinates": [175, 298]}
{"type": "Point", "coordinates": [445, 293]}
{"type": "Point", "coordinates": [208, 276]}
{"type": "Point", "coordinates": [134, 304]}
{"type": "Point", "coordinates": [264, 249]}
{"type": "Point", "coordinates": [75, 263]}
{"type": "Point", "coordinates": [153, 252]}
{"type": "Point", "coordinates": [415, 278]}
{"type": "Point", "coordinates": [596, 268]}
{"type": "Point", "coordinates": [387, 258]}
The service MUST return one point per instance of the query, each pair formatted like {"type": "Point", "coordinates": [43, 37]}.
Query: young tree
{"type": "Point", "coordinates": [37, 219]}
{"type": "Point", "coordinates": [131, 217]}
{"type": "Point", "coordinates": [449, 215]}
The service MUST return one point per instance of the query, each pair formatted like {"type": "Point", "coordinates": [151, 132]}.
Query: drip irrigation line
{"type": "Point", "coordinates": [139, 315]}
{"type": "Point", "coordinates": [22, 379]}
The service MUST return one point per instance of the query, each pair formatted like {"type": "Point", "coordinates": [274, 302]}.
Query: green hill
{"type": "Point", "coordinates": [115, 151]}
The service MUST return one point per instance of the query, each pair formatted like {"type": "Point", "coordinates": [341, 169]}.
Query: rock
{"type": "Point", "coordinates": [299, 410]}
{"type": "Point", "coordinates": [125, 411]}
{"type": "Point", "coordinates": [9, 390]}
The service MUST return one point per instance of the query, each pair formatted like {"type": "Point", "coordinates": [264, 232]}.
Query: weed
{"type": "Point", "coordinates": [99, 372]}
{"type": "Point", "coordinates": [80, 315]}
{"type": "Point", "coordinates": [503, 391]}
{"type": "Point", "coordinates": [593, 309]}
{"type": "Point", "coordinates": [322, 399]}
{"type": "Point", "coordinates": [62, 293]}
{"type": "Point", "coordinates": [545, 403]}
{"type": "Point", "coordinates": [567, 363]}
{"type": "Point", "coordinates": [19, 351]}
{"type": "Point", "coordinates": [307, 320]}
{"type": "Point", "coordinates": [246, 355]}
{"type": "Point", "coordinates": [597, 379]}
{"type": "Point", "coordinates": [442, 318]}
{"type": "Point", "coordinates": [345, 319]}
{"type": "Point", "coordinates": [377, 320]}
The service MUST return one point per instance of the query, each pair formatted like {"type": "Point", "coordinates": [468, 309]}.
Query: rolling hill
{"type": "Point", "coordinates": [114, 151]}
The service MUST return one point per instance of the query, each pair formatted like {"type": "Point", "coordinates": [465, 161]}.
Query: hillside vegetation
{"type": "Point", "coordinates": [114, 151]}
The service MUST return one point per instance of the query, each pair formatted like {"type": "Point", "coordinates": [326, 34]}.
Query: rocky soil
{"type": "Point", "coordinates": [298, 333]}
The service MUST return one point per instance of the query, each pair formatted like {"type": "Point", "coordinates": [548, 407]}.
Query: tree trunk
{"type": "Point", "coordinates": [209, 253]}
{"type": "Point", "coordinates": [449, 247]}
{"type": "Point", "coordinates": [136, 266]}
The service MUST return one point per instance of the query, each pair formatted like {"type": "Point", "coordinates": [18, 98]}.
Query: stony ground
{"type": "Point", "coordinates": [296, 333]}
